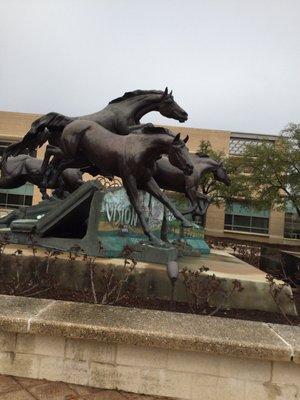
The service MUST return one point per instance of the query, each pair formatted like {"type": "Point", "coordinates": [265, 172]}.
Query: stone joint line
{"type": "Point", "coordinates": [284, 341]}
{"type": "Point", "coordinates": [38, 314]}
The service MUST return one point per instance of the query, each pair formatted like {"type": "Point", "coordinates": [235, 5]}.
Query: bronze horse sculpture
{"type": "Point", "coordinates": [129, 157]}
{"type": "Point", "coordinates": [121, 116]}
{"type": "Point", "coordinates": [169, 177]}
{"type": "Point", "coordinates": [16, 171]}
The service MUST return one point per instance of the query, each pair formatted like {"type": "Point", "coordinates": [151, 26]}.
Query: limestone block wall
{"type": "Point", "coordinates": [148, 370]}
{"type": "Point", "coordinates": [173, 355]}
{"type": "Point", "coordinates": [276, 225]}
{"type": "Point", "coordinates": [14, 125]}
{"type": "Point", "coordinates": [215, 220]}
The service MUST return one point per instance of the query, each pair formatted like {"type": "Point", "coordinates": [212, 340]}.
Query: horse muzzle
{"type": "Point", "coordinates": [183, 117]}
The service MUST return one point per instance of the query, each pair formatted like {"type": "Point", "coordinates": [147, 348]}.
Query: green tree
{"type": "Point", "coordinates": [273, 170]}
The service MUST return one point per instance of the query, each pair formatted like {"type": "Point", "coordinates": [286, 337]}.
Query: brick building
{"type": "Point", "coordinates": [232, 220]}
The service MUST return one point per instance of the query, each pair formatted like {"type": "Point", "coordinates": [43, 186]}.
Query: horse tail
{"type": "Point", "coordinates": [38, 134]}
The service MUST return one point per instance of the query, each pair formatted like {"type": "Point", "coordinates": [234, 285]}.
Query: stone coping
{"type": "Point", "coordinates": [148, 328]}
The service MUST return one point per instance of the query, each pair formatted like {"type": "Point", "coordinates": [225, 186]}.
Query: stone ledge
{"type": "Point", "coordinates": [291, 334]}
{"type": "Point", "coordinates": [165, 330]}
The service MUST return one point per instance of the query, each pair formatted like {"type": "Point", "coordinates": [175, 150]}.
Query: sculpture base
{"type": "Point", "coordinates": [149, 253]}
{"type": "Point", "coordinates": [190, 246]}
{"type": "Point", "coordinates": [113, 245]}
{"type": "Point", "coordinates": [90, 219]}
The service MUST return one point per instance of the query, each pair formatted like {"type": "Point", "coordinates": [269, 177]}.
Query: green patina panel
{"type": "Point", "coordinates": [26, 190]}
{"type": "Point", "coordinates": [119, 224]}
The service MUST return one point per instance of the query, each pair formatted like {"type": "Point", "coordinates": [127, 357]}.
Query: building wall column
{"type": "Point", "coordinates": [276, 226]}
{"type": "Point", "coordinates": [215, 220]}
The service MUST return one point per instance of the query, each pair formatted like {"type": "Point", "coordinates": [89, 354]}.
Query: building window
{"type": "Point", "coordinates": [291, 223]}
{"type": "Point", "coordinates": [237, 145]}
{"type": "Point", "coordinates": [245, 218]}
{"type": "Point", "coordinates": [10, 200]}
{"type": "Point", "coordinates": [21, 196]}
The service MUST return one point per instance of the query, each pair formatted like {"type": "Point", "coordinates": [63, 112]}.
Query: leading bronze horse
{"type": "Point", "coordinates": [122, 115]}
{"type": "Point", "coordinates": [129, 157]}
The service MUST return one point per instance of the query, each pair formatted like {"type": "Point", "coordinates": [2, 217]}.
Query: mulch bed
{"type": "Point", "coordinates": [165, 305]}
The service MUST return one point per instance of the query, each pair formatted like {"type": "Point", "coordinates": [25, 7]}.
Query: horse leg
{"type": "Point", "coordinates": [46, 170]}
{"type": "Point", "coordinates": [191, 194]}
{"type": "Point", "coordinates": [49, 152]}
{"type": "Point", "coordinates": [206, 202]}
{"type": "Point", "coordinates": [60, 189]}
{"type": "Point", "coordinates": [44, 183]}
{"type": "Point", "coordinates": [59, 169]}
{"type": "Point", "coordinates": [130, 185]}
{"type": "Point", "coordinates": [55, 181]}
{"type": "Point", "coordinates": [71, 179]}
{"type": "Point", "coordinates": [152, 187]}
{"type": "Point", "coordinates": [43, 191]}
{"type": "Point", "coordinates": [164, 227]}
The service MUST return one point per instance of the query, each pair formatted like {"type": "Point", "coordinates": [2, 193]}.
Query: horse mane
{"type": "Point", "coordinates": [206, 156]}
{"type": "Point", "coordinates": [154, 130]}
{"type": "Point", "coordinates": [129, 95]}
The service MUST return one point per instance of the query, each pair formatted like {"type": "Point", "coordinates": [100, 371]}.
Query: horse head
{"type": "Point", "coordinates": [179, 155]}
{"type": "Point", "coordinates": [220, 174]}
{"type": "Point", "coordinates": [170, 109]}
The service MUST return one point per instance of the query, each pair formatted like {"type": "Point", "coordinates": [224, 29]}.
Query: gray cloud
{"type": "Point", "coordinates": [232, 64]}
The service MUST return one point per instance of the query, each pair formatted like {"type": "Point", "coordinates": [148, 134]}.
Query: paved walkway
{"type": "Point", "coordinates": [12, 388]}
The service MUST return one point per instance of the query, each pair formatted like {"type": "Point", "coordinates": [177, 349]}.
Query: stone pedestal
{"type": "Point", "coordinates": [101, 222]}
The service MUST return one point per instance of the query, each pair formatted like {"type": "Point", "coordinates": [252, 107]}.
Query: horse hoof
{"type": "Point", "coordinates": [157, 242]}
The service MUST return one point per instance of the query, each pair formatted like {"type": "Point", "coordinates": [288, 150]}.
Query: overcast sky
{"type": "Point", "coordinates": [232, 64]}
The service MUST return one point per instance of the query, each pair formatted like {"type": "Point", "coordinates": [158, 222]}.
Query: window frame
{"type": "Point", "coordinates": [251, 227]}
{"type": "Point", "coordinates": [24, 199]}
{"type": "Point", "coordinates": [294, 234]}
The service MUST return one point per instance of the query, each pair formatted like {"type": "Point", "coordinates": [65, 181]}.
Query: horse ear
{"type": "Point", "coordinates": [176, 138]}
{"type": "Point", "coordinates": [186, 139]}
{"type": "Point", "coordinates": [165, 92]}
{"type": "Point", "coordinates": [171, 93]}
